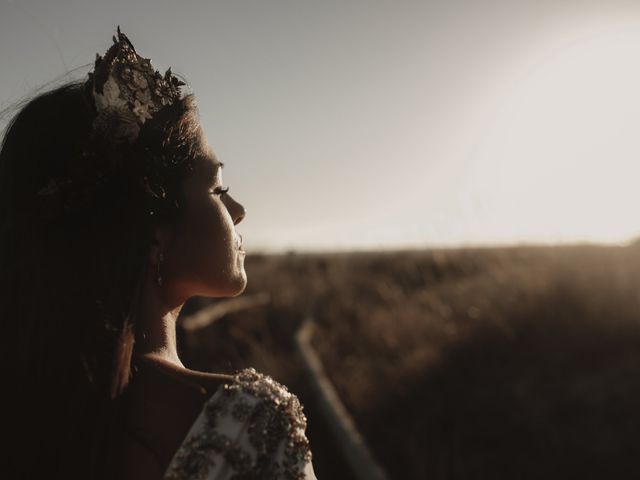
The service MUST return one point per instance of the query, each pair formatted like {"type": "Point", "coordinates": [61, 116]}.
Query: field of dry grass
{"type": "Point", "coordinates": [518, 362]}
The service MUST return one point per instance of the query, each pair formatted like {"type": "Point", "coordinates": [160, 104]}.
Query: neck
{"type": "Point", "coordinates": [156, 324]}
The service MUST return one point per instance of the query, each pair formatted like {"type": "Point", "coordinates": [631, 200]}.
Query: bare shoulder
{"type": "Point", "coordinates": [164, 401]}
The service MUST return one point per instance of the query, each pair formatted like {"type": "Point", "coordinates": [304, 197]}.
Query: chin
{"type": "Point", "coordinates": [229, 282]}
{"type": "Point", "coordinates": [234, 285]}
{"type": "Point", "coordinates": [229, 289]}
{"type": "Point", "coordinates": [239, 286]}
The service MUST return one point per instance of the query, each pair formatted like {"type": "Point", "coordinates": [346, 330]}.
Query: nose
{"type": "Point", "coordinates": [236, 209]}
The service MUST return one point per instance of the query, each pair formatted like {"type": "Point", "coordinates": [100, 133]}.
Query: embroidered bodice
{"type": "Point", "coordinates": [250, 429]}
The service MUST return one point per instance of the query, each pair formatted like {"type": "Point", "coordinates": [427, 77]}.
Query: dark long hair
{"type": "Point", "coordinates": [70, 271]}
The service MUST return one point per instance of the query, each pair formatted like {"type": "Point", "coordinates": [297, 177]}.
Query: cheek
{"type": "Point", "coordinates": [207, 240]}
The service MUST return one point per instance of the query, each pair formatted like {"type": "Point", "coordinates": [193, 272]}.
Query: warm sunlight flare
{"type": "Point", "coordinates": [560, 155]}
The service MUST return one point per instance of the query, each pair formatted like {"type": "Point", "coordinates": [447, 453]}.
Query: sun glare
{"type": "Point", "coordinates": [560, 154]}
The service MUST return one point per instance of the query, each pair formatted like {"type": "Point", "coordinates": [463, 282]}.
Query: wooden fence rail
{"type": "Point", "coordinates": [349, 441]}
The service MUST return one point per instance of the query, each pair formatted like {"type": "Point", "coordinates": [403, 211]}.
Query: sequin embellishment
{"type": "Point", "coordinates": [250, 429]}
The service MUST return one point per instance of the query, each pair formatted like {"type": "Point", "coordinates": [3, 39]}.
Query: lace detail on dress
{"type": "Point", "coordinates": [250, 429]}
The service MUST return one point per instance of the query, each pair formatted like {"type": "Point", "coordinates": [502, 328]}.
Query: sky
{"type": "Point", "coordinates": [384, 124]}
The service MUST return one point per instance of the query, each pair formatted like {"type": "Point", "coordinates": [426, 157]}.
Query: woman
{"type": "Point", "coordinates": [113, 214]}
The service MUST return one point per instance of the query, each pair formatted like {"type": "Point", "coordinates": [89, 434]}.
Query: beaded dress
{"type": "Point", "coordinates": [250, 429]}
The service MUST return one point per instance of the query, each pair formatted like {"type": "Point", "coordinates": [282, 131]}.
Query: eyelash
{"type": "Point", "coordinates": [220, 190]}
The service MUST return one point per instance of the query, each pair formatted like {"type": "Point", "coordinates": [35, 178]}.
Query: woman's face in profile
{"type": "Point", "coordinates": [206, 256]}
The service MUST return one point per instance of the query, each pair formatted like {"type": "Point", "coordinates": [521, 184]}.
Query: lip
{"type": "Point", "coordinates": [239, 244]}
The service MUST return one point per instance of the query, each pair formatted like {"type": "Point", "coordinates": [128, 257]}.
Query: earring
{"type": "Point", "coordinates": [158, 276]}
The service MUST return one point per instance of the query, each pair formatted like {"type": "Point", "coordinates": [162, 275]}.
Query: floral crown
{"type": "Point", "coordinates": [125, 91]}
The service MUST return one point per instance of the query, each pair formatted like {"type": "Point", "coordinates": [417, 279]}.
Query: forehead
{"type": "Point", "coordinates": [209, 166]}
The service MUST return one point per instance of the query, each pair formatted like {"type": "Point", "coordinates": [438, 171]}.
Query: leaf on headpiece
{"type": "Point", "coordinates": [126, 40]}
{"type": "Point", "coordinates": [110, 96]}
